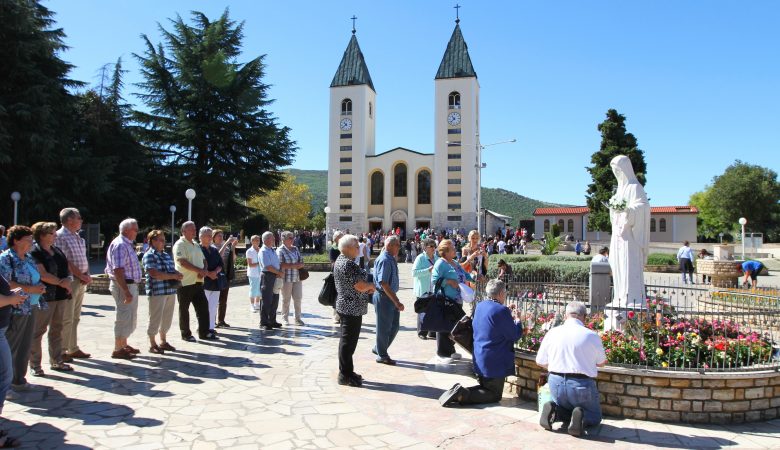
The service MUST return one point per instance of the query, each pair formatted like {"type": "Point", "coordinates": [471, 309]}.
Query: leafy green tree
{"type": "Point", "coordinates": [206, 123]}
{"type": "Point", "coordinates": [709, 224]}
{"type": "Point", "coordinates": [614, 141]}
{"type": "Point", "coordinates": [743, 190]}
{"type": "Point", "coordinates": [36, 111]}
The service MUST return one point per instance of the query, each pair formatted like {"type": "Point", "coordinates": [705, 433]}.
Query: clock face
{"type": "Point", "coordinates": [346, 124]}
{"type": "Point", "coordinates": [453, 118]}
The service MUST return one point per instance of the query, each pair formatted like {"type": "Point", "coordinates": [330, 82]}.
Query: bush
{"type": "Point", "coordinates": [561, 271]}
{"type": "Point", "coordinates": [316, 258]}
{"type": "Point", "coordinates": [529, 258]}
{"type": "Point", "coordinates": [239, 262]}
{"type": "Point", "coordinates": [661, 259]}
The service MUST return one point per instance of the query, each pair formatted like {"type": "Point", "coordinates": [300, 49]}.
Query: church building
{"type": "Point", "coordinates": [401, 187]}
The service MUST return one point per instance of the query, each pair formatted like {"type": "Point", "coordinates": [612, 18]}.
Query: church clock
{"type": "Point", "coordinates": [346, 124]}
{"type": "Point", "coordinates": [453, 118]}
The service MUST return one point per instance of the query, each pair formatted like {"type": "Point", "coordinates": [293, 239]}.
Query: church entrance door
{"type": "Point", "coordinates": [402, 226]}
{"type": "Point", "coordinates": [374, 226]}
{"type": "Point", "coordinates": [423, 224]}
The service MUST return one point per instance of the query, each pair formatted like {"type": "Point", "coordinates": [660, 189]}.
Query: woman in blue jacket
{"type": "Point", "coordinates": [451, 273]}
{"type": "Point", "coordinates": [422, 272]}
{"type": "Point", "coordinates": [495, 333]}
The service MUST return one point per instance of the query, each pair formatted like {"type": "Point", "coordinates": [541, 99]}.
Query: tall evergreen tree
{"type": "Point", "coordinates": [36, 111]}
{"type": "Point", "coordinates": [206, 124]}
{"type": "Point", "coordinates": [614, 141]}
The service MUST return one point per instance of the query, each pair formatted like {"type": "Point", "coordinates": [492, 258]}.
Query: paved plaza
{"type": "Point", "coordinates": [278, 389]}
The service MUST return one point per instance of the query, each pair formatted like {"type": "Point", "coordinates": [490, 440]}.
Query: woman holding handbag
{"type": "Point", "coordinates": [422, 271]}
{"type": "Point", "coordinates": [447, 269]}
{"type": "Point", "coordinates": [215, 280]}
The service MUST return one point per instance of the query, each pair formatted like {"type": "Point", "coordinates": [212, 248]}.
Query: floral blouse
{"type": "Point", "coordinates": [13, 268]}
{"type": "Point", "coordinates": [349, 301]}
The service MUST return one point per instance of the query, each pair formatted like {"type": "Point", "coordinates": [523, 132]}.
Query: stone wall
{"type": "Point", "coordinates": [662, 396]}
{"type": "Point", "coordinates": [723, 273]}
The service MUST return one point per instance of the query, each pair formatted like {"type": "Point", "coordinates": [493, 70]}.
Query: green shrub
{"type": "Point", "coordinates": [239, 262]}
{"type": "Point", "coordinates": [661, 259]}
{"type": "Point", "coordinates": [561, 271]}
{"type": "Point", "coordinates": [316, 258]}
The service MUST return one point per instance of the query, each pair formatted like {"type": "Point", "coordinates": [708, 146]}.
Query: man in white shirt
{"type": "Point", "coordinates": [685, 258]}
{"type": "Point", "coordinates": [602, 257]}
{"type": "Point", "coordinates": [501, 247]}
{"type": "Point", "coordinates": [572, 354]}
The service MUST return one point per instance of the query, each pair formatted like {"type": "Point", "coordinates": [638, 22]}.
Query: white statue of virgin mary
{"type": "Point", "coordinates": [629, 212]}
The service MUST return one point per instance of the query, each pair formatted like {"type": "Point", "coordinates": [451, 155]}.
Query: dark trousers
{"type": "Point", "coordinates": [270, 300]}
{"type": "Point", "coordinates": [223, 296]}
{"type": "Point", "coordinates": [20, 337]}
{"type": "Point", "coordinates": [489, 390]}
{"type": "Point", "coordinates": [350, 332]}
{"type": "Point", "coordinates": [421, 333]}
{"type": "Point", "coordinates": [193, 294]}
{"type": "Point", "coordinates": [445, 347]}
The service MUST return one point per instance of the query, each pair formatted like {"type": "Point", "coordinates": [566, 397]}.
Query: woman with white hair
{"type": "Point", "coordinates": [215, 280]}
{"type": "Point", "coordinates": [291, 262]}
{"type": "Point", "coordinates": [351, 304]}
{"type": "Point", "coordinates": [333, 254]}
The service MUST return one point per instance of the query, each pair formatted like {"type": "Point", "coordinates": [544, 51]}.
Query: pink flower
{"type": "Point", "coordinates": [631, 314]}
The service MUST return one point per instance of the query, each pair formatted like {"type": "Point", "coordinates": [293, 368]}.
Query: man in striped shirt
{"type": "Point", "coordinates": [75, 250]}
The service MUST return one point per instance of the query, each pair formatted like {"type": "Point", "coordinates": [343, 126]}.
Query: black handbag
{"type": "Point", "coordinates": [421, 304]}
{"type": "Point", "coordinates": [440, 313]}
{"type": "Point", "coordinates": [463, 333]}
{"type": "Point", "coordinates": [328, 292]}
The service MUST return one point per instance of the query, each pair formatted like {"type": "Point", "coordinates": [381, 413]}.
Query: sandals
{"type": "Point", "coordinates": [37, 373]}
{"type": "Point", "coordinates": [156, 350]}
{"type": "Point", "coordinates": [167, 347]}
{"type": "Point", "coordinates": [62, 367]}
{"type": "Point", "coordinates": [122, 354]}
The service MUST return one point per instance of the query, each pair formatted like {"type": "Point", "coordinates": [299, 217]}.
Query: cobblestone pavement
{"type": "Point", "coordinates": [278, 389]}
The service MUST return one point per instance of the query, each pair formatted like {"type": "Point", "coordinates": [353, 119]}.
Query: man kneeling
{"type": "Point", "coordinates": [572, 354]}
{"type": "Point", "coordinates": [495, 334]}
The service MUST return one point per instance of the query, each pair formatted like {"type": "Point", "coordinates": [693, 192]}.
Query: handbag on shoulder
{"type": "Point", "coordinates": [463, 333]}
{"type": "Point", "coordinates": [303, 274]}
{"type": "Point", "coordinates": [328, 292]}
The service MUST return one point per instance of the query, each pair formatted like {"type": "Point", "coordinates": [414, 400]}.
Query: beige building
{"type": "Point", "coordinates": [667, 223]}
{"type": "Point", "coordinates": [401, 187]}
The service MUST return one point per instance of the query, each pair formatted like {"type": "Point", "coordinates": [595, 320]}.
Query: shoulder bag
{"type": "Point", "coordinates": [463, 333]}
{"type": "Point", "coordinates": [328, 292]}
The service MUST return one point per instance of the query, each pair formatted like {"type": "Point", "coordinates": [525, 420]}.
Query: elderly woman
{"type": "Point", "coordinates": [215, 280]}
{"type": "Point", "coordinates": [18, 267]}
{"type": "Point", "coordinates": [53, 267]}
{"type": "Point", "coordinates": [227, 250]}
{"type": "Point", "coordinates": [421, 272]}
{"type": "Point", "coordinates": [333, 254]}
{"type": "Point", "coordinates": [253, 273]}
{"type": "Point", "coordinates": [451, 274]}
{"type": "Point", "coordinates": [351, 304]}
{"type": "Point", "coordinates": [496, 329]}
{"type": "Point", "coordinates": [8, 299]}
{"type": "Point", "coordinates": [291, 261]}
{"type": "Point", "coordinates": [162, 281]}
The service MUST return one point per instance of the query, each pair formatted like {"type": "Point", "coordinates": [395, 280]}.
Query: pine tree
{"type": "Point", "coordinates": [614, 141]}
{"type": "Point", "coordinates": [36, 111]}
{"type": "Point", "coordinates": [206, 124]}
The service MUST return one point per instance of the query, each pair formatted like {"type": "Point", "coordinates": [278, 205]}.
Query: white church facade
{"type": "Point", "coordinates": [400, 187]}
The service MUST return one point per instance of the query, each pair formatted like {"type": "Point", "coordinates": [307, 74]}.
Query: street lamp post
{"type": "Point", "coordinates": [190, 194]}
{"type": "Point", "coordinates": [173, 224]}
{"type": "Point", "coordinates": [743, 222]}
{"type": "Point", "coordinates": [15, 196]}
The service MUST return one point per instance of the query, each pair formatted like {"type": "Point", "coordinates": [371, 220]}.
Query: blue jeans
{"type": "Point", "coordinates": [387, 323]}
{"type": "Point", "coordinates": [569, 393]}
{"type": "Point", "coordinates": [6, 367]}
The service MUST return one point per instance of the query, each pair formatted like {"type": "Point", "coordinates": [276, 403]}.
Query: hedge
{"type": "Point", "coordinates": [528, 258]}
{"type": "Point", "coordinates": [661, 259]}
{"type": "Point", "coordinates": [548, 270]}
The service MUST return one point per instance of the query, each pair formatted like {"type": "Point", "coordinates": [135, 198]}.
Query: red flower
{"type": "Point", "coordinates": [631, 314]}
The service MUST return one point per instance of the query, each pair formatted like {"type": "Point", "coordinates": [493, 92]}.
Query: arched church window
{"type": "Point", "coordinates": [546, 226]}
{"type": "Point", "coordinates": [377, 188]}
{"type": "Point", "coordinates": [570, 226]}
{"type": "Point", "coordinates": [399, 176]}
{"type": "Point", "coordinates": [560, 225]}
{"type": "Point", "coordinates": [424, 188]}
{"type": "Point", "coordinates": [662, 225]}
{"type": "Point", "coordinates": [454, 100]}
{"type": "Point", "coordinates": [652, 225]}
{"type": "Point", "coordinates": [346, 107]}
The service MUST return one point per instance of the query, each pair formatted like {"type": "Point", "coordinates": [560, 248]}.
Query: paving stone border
{"type": "Point", "coordinates": [687, 397]}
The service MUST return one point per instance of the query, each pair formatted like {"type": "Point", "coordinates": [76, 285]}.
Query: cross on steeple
{"type": "Point", "coordinates": [354, 18]}
{"type": "Point", "coordinates": [457, 12]}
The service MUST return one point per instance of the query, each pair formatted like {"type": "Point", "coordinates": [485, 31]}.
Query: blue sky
{"type": "Point", "coordinates": [699, 81]}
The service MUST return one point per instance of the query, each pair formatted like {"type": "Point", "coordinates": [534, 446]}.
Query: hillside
{"type": "Point", "coordinates": [495, 199]}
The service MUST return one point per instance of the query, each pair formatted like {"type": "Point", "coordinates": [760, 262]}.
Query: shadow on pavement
{"type": "Point", "coordinates": [40, 435]}
{"type": "Point", "coordinates": [413, 390]}
{"type": "Point", "coordinates": [663, 439]}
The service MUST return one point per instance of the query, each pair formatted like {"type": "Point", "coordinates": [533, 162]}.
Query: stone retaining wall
{"type": "Point", "coordinates": [723, 273]}
{"type": "Point", "coordinates": [661, 396]}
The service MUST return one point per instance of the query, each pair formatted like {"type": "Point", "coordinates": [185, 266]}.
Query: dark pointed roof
{"type": "Point", "coordinates": [456, 62]}
{"type": "Point", "coordinates": [352, 70]}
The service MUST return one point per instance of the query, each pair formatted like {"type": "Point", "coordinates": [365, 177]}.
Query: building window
{"type": "Point", "coordinates": [346, 107]}
{"type": "Point", "coordinates": [453, 205]}
{"type": "Point", "coordinates": [346, 171]}
{"type": "Point", "coordinates": [453, 131]}
{"type": "Point", "coordinates": [652, 225]}
{"type": "Point", "coordinates": [377, 188]}
{"type": "Point", "coordinates": [453, 181]}
{"type": "Point", "coordinates": [346, 183]}
{"type": "Point", "coordinates": [453, 144]}
{"type": "Point", "coordinates": [346, 159]}
{"type": "Point", "coordinates": [662, 225]}
{"type": "Point", "coordinates": [453, 194]}
{"type": "Point", "coordinates": [453, 218]}
{"type": "Point", "coordinates": [546, 226]}
{"type": "Point", "coordinates": [454, 101]}
{"type": "Point", "coordinates": [346, 148]}
{"type": "Point", "coordinates": [346, 195]}
{"type": "Point", "coordinates": [560, 225]}
{"type": "Point", "coordinates": [399, 177]}
{"type": "Point", "coordinates": [345, 219]}
{"type": "Point", "coordinates": [346, 136]}
{"type": "Point", "coordinates": [453, 169]}
{"type": "Point", "coordinates": [424, 188]}
{"type": "Point", "coordinates": [453, 156]}
{"type": "Point", "coordinates": [370, 110]}
{"type": "Point", "coordinates": [570, 226]}
{"type": "Point", "coordinates": [346, 207]}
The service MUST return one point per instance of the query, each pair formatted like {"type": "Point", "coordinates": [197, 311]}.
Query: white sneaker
{"type": "Point", "coordinates": [252, 308]}
{"type": "Point", "coordinates": [456, 355]}
{"type": "Point", "coordinates": [256, 307]}
{"type": "Point", "coordinates": [443, 360]}
{"type": "Point", "coordinates": [285, 321]}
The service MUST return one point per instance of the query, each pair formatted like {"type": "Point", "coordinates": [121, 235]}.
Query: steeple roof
{"type": "Point", "coordinates": [456, 62]}
{"type": "Point", "coordinates": [352, 70]}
